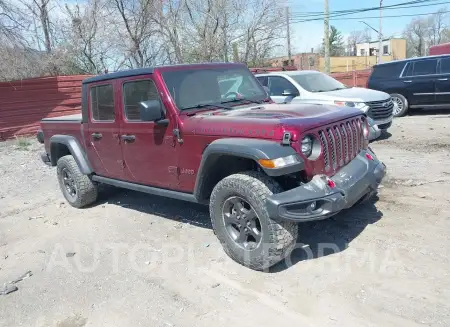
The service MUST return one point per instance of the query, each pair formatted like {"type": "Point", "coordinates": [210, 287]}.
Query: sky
{"type": "Point", "coordinates": [307, 35]}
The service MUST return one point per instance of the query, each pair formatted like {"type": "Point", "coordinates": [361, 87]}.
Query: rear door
{"type": "Point", "coordinates": [279, 87]}
{"type": "Point", "coordinates": [103, 146]}
{"type": "Point", "coordinates": [149, 149]}
{"type": "Point", "coordinates": [419, 79]}
{"type": "Point", "coordinates": [443, 82]}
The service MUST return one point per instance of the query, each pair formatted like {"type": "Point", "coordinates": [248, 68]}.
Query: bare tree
{"type": "Point", "coordinates": [40, 13]}
{"type": "Point", "coordinates": [89, 43]}
{"type": "Point", "coordinates": [421, 33]}
{"type": "Point", "coordinates": [356, 37]}
{"type": "Point", "coordinates": [54, 37]}
{"type": "Point", "coordinates": [11, 22]}
{"type": "Point", "coordinates": [436, 28]}
{"type": "Point", "coordinates": [415, 34]}
{"type": "Point", "coordinates": [136, 28]}
{"type": "Point", "coordinates": [263, 31]}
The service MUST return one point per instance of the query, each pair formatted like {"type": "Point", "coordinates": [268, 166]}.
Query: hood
{"type": "Point", "coordinates": [265, 120]}
{"type": "Point", "coordinates": [356, 94]}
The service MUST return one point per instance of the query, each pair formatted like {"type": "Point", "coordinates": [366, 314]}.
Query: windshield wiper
{"type": "Point", "coordinates": [336, 89]}
{"type": "Point", "coordinates": [243, 99]}
{"type": "Point", "coordinates": [204, 105]}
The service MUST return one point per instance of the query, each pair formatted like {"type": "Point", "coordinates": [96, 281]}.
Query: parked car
{"type": "Point", "coordinates": [306, 86]}
{"type": "Point", "coordinates": [414, 83]}
{"type": "Point", "coordinates": [261, 167]}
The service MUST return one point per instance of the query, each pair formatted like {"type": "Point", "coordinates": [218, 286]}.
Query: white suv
{"type": "Point", "coordinates": [305, 86]}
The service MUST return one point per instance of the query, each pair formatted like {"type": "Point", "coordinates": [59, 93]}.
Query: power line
{"type": "Point", "coordinates": [405, 5]}
{"type": "Point", "coordinates": [372, 17]}
{"type": "Point", "coordinates": [409, 4]}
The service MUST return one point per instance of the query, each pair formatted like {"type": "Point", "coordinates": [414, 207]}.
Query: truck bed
{"type": "Point", "coordinates": [68, 118]}
{"type": "Point", "coordinates": [63, 125]}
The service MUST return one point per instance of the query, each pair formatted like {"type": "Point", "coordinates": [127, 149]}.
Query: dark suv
{"type": "Point", "coordinates": [414, 83]}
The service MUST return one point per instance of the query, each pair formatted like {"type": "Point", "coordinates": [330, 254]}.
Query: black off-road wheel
{"type": "Point", "coordinates": [78, 189]}
{"type": "Point", "coordinates": [242, 225]}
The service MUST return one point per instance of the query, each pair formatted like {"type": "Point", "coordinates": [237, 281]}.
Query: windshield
{"type": "Point", "coordinates": [318, 82]}
{"type": "Point", "coordinates": [193, 87]}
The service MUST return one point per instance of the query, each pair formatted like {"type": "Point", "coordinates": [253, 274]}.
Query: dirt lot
{"type": "Point", "coordinates": [137, 260]}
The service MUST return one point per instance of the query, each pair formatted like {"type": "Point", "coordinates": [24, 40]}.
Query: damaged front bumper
{"type": "Point", "coordinates": [318, 200]}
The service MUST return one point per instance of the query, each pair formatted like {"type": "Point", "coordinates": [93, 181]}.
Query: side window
{"type": "Point", "coordinates": [277, 86]}
{"type": "Point", "coordinates": [136, 92]}
{"type": "Point", "coordinates": [445, 66]}
{"type": "Point", "coordinates": [263, 80]}
{"type": "Point", "coordinates": [408, 69]}
{"type": "Point", "coordinates": [102, 103]}
{"type": "Point", "coordinates": [424, 67]}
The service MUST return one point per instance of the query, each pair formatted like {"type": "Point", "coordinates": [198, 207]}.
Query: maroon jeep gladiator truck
{"type": "Point", "coordinates": [209, 133]}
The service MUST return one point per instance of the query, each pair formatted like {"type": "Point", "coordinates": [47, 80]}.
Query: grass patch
{"type": "Point", "coordinates": [22, 143]}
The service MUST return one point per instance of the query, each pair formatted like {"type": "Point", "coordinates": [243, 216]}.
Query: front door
{"type": "Point", "coordinates": [443, 82]}
{"type": "Point", "coordinates": [148, 148]}
{"type": "Point", "coordinates": [281, 90]}
{"type": "Point", "coordinates": [102, 139]}
{"type": "Point", "coordinates": [419, 80]}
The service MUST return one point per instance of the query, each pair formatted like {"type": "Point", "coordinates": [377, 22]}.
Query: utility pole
{"type": "Point", "coordinates": [326, 38]}
{"type": "Point", "coordinates": [380, 41]}
{"type": "Point", "coordinates": [288, 36]}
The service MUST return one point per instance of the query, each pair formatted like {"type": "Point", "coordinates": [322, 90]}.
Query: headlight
{"type": "Point", "coordinates": [360, 105]}
{"type": "Point", "coordinates": [307, 146]}
{"type": "Point", "coordinates": [279, 162]}
{"type": "Point", "coordinates": [344, 103]}
{"type": "Point", "coordinates": [365, 130]}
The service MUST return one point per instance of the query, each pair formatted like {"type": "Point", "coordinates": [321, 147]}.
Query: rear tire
{"type": "Point", "coordinates": [402, 105]}
{"type": "Point", "coordinates": [266, 241]}
{"type": "Point", "coordinates": [77, 188]}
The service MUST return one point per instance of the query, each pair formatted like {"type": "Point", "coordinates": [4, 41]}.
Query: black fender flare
{"type": "Point", "coordinates": [248, 148]}
{"type": "Point", "coordinates": [75, 150]}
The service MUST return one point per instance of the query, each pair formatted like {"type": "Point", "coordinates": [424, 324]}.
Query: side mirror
{"type": "Point", "coordinates": [289, 93]}
{"type": "Point", "coordinates": [151, 110]}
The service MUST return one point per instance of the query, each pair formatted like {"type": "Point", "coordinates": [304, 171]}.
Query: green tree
{"type": "Point", "coordinates": [336, 41]}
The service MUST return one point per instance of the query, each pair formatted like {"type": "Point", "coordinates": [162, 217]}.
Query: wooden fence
{"type": "Point", "coordinates": [357, 78]}
{"type": "Point", "coordinates": [24, 103]}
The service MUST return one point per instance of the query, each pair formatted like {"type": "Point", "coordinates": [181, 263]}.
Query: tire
{"type": "Point", "coordinates": [77, 188]}
{"type": "Point", "coordinates": [277, 238]}
{"type": "Point", "coordinates": [401, 102]}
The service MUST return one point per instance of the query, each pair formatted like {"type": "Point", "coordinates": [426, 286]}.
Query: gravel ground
{"type": "Point", "coordinates": [138, 260]}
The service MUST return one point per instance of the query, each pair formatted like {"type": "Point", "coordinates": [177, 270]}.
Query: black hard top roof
{"type": "Point", "coordinates": [411, 59]}
{"type": "Point", "coordinates": [149, 70]}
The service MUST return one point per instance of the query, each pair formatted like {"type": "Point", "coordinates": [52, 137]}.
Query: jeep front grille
{"type": "Point", "coordinates": [380, 109]}
{"type": "Point", "coordinates": [341, 142]}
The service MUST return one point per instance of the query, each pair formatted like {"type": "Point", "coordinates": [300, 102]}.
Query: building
{"type": "Point", "coordinates": [366, 57]}
{"type": "Point", "coordinates": [394, 47]}
{"type": "Point", "coordinates": [303, 61]}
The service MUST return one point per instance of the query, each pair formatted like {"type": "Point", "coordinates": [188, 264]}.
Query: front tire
{"type": "Point", "coordinates": [402, 105]}
{"type": "Point", "coordinates": [77, 188]}
{"type": "Point", "coordinates": [242, 225]}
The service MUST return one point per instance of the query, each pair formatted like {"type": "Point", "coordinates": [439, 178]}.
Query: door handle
{"type": "Point", "coordinates": [96, 136]}
{"type": "Point", "coordinates": [442, 79]}
{"type": "Point", "coordinates": [128, 138]}
{"type": "Point", "coordinates": [407, 81]}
